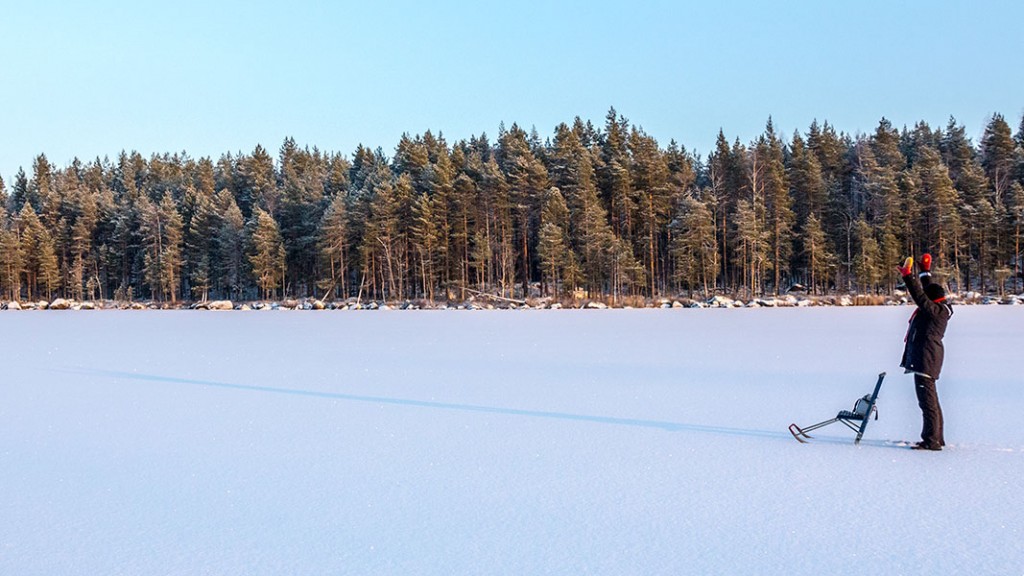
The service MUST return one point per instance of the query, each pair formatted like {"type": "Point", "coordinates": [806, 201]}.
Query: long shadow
{"type": "Point", "coordinates": [633, 422]}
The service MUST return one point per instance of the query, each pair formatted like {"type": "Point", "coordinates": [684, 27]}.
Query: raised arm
{"type": "Point", "coordinates": [916, 285]}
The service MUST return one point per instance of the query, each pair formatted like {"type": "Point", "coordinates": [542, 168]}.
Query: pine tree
{"type": "Point", "coordinates": [653, 194]}
{"type": "Point", "coordinates": [255, 181]}
{"type": "Point", "coordinates": [559, 268]}
{"type": "Point", "coordinates": [778, 205]}
{"type": "Point", "coordinates": [694, 248]}
{"type": "Point", "coordinates": [751, 245]}
{"type": "Point", "coordinates": [381, 244]}
{"type": "Point", "coordinates": [868, 262]}
{"type": "Point", "coordinates": [81, 244]}
{"type": "Point", "coordinates": [882, 175]}
{"type": "Point", "coordinates": [725, 174]}
{"type": "Point", "coordinates": [939, 211]}
{"type": "Point", "coordinates": [334, 246]}
{"type": "Point", "coordinates": [39, 260]}
{"type": "Point", "coordinates": [527, 179]}
{"type": "Point", "coordinates": [817, 255]}
{"type": "Point", "coordinates": [427, 239]}
{"type": "Point", "coordinates": [10, 257]}
{"type": "Point", "coordinates": [266, 253]}
{"type": "Point", "coordinates": [591, 236]}
{"type": "Point", "coordinates": [229, 272]}
{"type": "Point", "coordinates": [497, 241]}
{"type": "Point", "coordinates": [200, 248]}
{"type": "Point", "coordinates": [614, 178]}
{"type": "Point", "coordinates": [1015, 210]}
{"type": "Point", "coordinates": [465, 216]}
{"type": "Point", "coordinates": [161, 231]}
{"type": "Point", "coordinates": [442, 205]}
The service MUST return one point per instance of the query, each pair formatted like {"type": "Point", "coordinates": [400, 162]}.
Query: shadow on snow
{"type": "Point", "coordinates": [610, 420]}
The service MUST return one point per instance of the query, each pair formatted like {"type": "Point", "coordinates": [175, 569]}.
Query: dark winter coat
{"type": "Point", "coordinates": [924, 351]}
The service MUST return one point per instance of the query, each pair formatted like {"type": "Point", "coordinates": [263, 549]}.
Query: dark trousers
{"type": "Point", "coordinates": [931, 412]}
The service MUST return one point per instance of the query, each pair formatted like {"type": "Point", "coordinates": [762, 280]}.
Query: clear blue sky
{"type": "Point", "coordinates": [89, 79]}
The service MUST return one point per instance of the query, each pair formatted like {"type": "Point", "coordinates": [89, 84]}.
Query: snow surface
{"type": "Point", "coordinates": [503, 442]}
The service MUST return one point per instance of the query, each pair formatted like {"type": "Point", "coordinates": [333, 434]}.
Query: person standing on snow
{"type": "Point", "coordinates": [924, 351]}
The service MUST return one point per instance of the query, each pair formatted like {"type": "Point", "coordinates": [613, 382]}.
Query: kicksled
{"type": "Point", "coordinates": [856, 419]}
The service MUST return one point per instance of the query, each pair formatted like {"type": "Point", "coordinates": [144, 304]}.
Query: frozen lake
{"type": "Point", "coordinates": [501, 442]}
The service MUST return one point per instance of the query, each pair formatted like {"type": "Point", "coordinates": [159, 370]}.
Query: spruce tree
{"type": "Point", "coordinates": [19, 191]}
{"type": "Point", "coordinates": [300, 209]}
{"type": "Point", "coordinates": [998, 158]}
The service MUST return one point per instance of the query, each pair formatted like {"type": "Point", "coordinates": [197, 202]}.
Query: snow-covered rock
{"type": "Point", "coordinates": [13, 305]}
{"type": "Point", "coordinates": [597, 306]}
{"type": "Point", "coordinates": [721, 302]}
{"type": "Point", "coordinates": [60, 304]}
{"type": "Point", "coordinates": [221, 305]}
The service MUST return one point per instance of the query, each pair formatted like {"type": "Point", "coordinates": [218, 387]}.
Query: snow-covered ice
{"type": "Point", "coordinates": [527, 442]}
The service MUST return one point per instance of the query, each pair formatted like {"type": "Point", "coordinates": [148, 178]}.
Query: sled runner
{"type": "Point", "coordinates": [856, 419]}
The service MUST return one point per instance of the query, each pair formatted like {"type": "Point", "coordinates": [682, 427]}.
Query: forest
{"type": "Point", "coordinates": [588, 212]}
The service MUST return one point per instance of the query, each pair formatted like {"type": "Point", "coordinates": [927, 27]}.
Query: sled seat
{"type": "Point", "coordinates": [863, 408]}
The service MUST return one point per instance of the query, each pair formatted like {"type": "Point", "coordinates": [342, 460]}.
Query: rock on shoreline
{"type": "Point", "coordinates": [718, 301]}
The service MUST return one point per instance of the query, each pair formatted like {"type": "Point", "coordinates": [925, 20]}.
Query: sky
{"type": "Point", "coordinates": [89, 80]}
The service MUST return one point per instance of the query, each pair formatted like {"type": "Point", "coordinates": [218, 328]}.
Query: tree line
{"type": "Point", "coordinates": [595, 212]}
